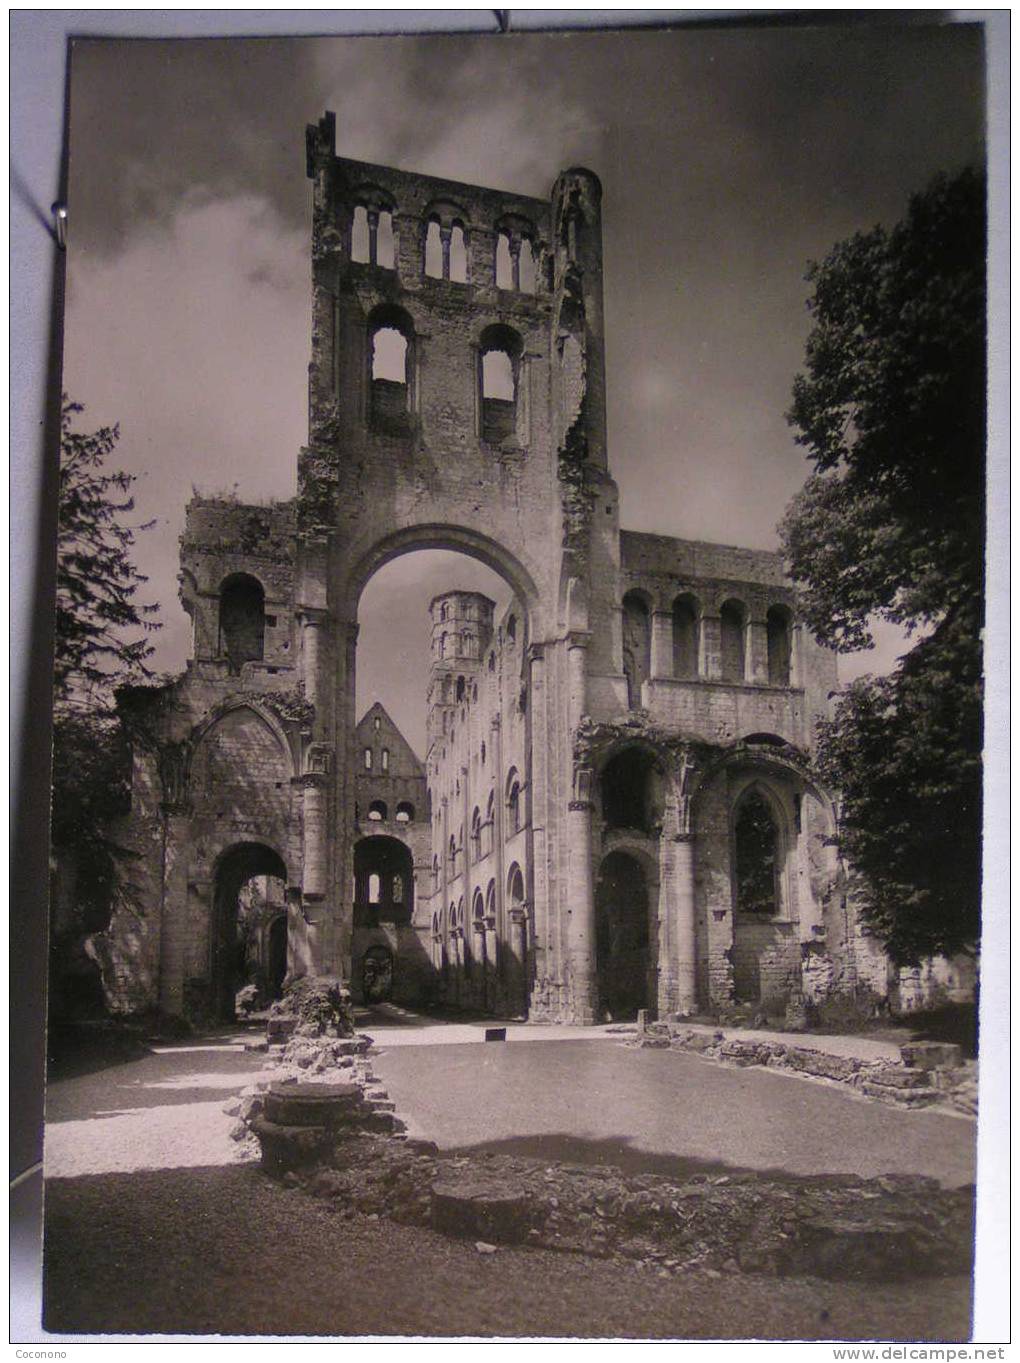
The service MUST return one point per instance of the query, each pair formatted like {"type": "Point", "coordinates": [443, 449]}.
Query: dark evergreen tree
{"type": "Point", "coordinates": [102, 640]}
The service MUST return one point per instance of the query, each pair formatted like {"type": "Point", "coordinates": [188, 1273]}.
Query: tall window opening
{"type": "Point", "coordinates": [756, 856]}
{"type": "Point", "coordinates": [637, 646]}
{"type": "Point", "coordinates": [731, 628]}
{"type": "Point", "coordinates": [433, 250]}
{"type": "Point", "coordinates": [685, 637]}
{"type": "Point", "coordinates": [391, 369]}
{"type": "Point", "coordinates": [359, 235]}
{"type": "Point", "coordinates": [528, 271]}
{"type": "Point", "coordinates": [777, 624]}
{"type": "Point", "coordinates": [242, 620]}
{"type": "Point", "coordinates": [458, 255]}
{"type": "Point", "coordinates": [513, 803]}
{"type": "Point", "coordinates": [500, 358]}
{"type": "Point", "coordinates": [385, 243]}
{"type": "Point", "coordinates": [504, 263]}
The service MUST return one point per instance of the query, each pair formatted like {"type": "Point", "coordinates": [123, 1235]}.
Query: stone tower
{"type": "Point", "coordinates": [457, 400]}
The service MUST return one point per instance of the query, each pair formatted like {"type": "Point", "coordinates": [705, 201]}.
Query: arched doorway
{"type": "Point", "coordinates": [241, 907]}
{"type": "Point", "coordinates": [622, 937]}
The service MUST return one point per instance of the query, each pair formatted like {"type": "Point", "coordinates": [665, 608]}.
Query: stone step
{"type": "Point", "coordinates": [902, 1097]}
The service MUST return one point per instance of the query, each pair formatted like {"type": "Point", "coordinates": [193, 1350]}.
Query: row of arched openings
{"type": "Point", "coordinates": [444, 249]}
{"type": "Point", "coordinates": [378, 812]}
{"type": "Point", "coordinates": [482, 829]}
{"type": "Point", "coordinates": [688, 652]}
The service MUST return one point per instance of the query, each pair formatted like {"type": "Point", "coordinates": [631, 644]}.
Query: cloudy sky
{"type": "Point", "coordinates": [729, 159]}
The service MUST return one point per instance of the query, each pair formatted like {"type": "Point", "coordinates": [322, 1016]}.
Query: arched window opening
{"type": "Point", "coordinates": [482, 750]}
{"type": "Point", "coordinates": [513, 804]}
{"type": "Point", "coordinates": [487, 826]}
{"type": "Point", "coordinates": [515, 887]}
{"type": "Point", "coordinates": [367, 758]}
{"type": "Point", "coordinates": [492, 662]}
{"type": "Point", "coordinates": [384, 250]}
{"type": "Point", "coordinates": [478, 909]}
{"type": "Point", "coordinates": [637, 646]}
{"type": "Point", "coordinates": [435, 875]}
{"type": "Point", "coordinates": [685, 637]}
{"type": "Point", "coordinates": [500, 350]}
{"type": "Point", "coordinates": [383, 881]}
{"type": "Point", "coordinates": [377, 811]}
{"type": "Point", "coordinates": [433, 250]}
{"type": "Point", "coordinates": [385, 759]}
{"type": "Point", "coordinates": [504, 263]}
{"type": "Point", "coordinates": [528, 272]}
{"type": "Point", "coordinates": [731, 641]}
{"type": "Point", "coordinates": [777, 625]}
{"type": "Point", "coordinates": [377, 723]}
{"type": "Point", "coordinates": [390, 341]}
{"type": "Point", "coordinates": [511, 628]}
{"type": "Point", "coordinates": [458, 255]}
{"type": "Point", "coordinates": [476, 834]}
{"type": "Point", "coordinates": [242, 621]}
{"type": "Point", "coordinates": [490, 902]}
{"type": "Point", "coordinates": [460, 688]}
{"type": "Point", "coordinates": [632, 791]}
{"type": "Point", "coordinates": [405, 812]}
{"type": "Point", "coordinates": [359, 235]}
{"type": "Point", "coordinates": [756, 857]}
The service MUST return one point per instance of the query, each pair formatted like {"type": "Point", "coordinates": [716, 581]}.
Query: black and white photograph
{"type": "Point", "coordinates": [518, 662]}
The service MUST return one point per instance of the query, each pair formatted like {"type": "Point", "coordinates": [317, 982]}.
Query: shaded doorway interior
{"type": "Point", "coordinates": [249, 893]}
{"type": "Point", "coordinates": [622, 937]}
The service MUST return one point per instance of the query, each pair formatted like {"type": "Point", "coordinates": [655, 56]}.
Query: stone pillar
{"type": "Point", "coordinates": [757, 670]}
{"type": "Point", "coordinates": [482, 258]}
{"type": "Point", "coordinates": [662, 644]}
{"type": "Point", "coordinates": [581, 902]}
{"type": "Point", "coordinates": [312, 621]}
{"type": "Point", "coordinates": [314, 871]}
{"type": "Point", "coordinates": [685, 934]}
{"type": "Point", "coordinates": [445, 233]}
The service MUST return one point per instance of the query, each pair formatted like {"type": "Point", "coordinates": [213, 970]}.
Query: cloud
{"type": "Point", "coordinates": [194, 339]}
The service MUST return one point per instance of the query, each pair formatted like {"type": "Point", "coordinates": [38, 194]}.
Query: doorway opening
{"type": "Point", "coordinates": [248, 943]}
{"type": "Point", "coordinates": [622, 937]}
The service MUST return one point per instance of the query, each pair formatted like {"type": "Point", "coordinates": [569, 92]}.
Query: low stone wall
{"type": "Point", "coordinates": [927, 1072]}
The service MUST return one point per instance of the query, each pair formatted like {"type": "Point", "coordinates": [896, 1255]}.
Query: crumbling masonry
{"type": "Point", "coordinates": [617, 808]}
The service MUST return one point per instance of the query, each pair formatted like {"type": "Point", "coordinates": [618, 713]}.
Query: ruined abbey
{"type": "Point", "coordinates": [616, 809]}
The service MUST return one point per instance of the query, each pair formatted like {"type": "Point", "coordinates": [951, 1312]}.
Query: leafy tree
{"type": "Point", "coordinates": [102, 640]}
{"type": "Point", "coordinates": [891, 409]}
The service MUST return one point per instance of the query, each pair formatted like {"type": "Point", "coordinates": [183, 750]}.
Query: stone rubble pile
{"type": "Point", "coordinates": [929, 1071]}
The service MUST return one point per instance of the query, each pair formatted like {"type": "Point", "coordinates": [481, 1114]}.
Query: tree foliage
{"type": "Point", "coordinates": [102, 640]}
{"type": "Point", "coordinates": [891, 408]}
{"type": "Point", "coordinates": [102, 630]}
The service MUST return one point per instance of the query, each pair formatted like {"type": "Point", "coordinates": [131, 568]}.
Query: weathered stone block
{"type": "Point", "coordinates": [932, 1055]}
{"type": "Point", "coordinates": [493, 1212]}
{"type": "Point", "coordinates": [819, 1063]}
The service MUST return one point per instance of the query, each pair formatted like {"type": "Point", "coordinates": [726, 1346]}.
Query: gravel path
{"type": "Point", "coordinates": [225, 1251]}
